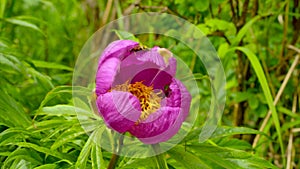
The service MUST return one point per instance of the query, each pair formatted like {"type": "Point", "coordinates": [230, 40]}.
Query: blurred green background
{"type": "Point", "coordinates": [257, 42]}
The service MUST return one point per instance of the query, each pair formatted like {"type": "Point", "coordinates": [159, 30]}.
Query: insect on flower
{"type": "Point", "coordinates": [137, 91]}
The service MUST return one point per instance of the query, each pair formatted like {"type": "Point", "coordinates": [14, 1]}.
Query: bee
{"type": "Point", "coordinates": [139, 48]}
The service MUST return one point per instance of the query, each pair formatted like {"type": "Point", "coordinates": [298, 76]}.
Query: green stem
{"type": "Point", "coordinates": [160, 159]}
{"type": "Point", "coordinates": [115, 157]}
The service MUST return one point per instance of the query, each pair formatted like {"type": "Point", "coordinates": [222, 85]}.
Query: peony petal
{"type": "Point", "coordinates": [171, 69]}
{"type": "Point", "coordinates": [179, 97]}
{"type": "Point", "coordinates": [131, 69]}
{"type": "Point", "coordinates": [106, 75]}
{"type": "Point", "coordinates": [109, 63]}
{"type": "Point", "coordinates": [152, 56]}
{"type": "Point", "coordinates": [166, 122]}
{"type": "Point", "coordinates": [159, 79]}
{"type": "Point", "coordinates": [119, 49]}
{"type": "Point", "coordinates": [157, 131]}
{"type": "Point", "coordinates": [120, 110]}
{"type": "Point", "coordinates": [169, 60]}
{"type": "Point", "coordinates": [139, 62]}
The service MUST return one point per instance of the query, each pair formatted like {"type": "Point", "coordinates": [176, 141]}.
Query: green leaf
{"type": "Point", "coordinates": [244, 30]}
{"type": "Point", "coordinates": [68, 158]}
{"type": "Point", "coordinates": [47, 166]}
{"type": "Point", "coordinates": [221, 25]}
{"type": "Point", "coordinates": [265, 87]}
{"type": "Point", "coordinates": [229, 158]}
{"type": "Point", "coordinates": [65, 110]}
{"type": "Point", "coordinates": [96, 157]}
{"type": "Point", "coordinates": [50, 124]}
{"type": "Point", "coordinates": [9, 61]}
{"type": "Point", "coordinates": [20, 164]}
{"type": "Point", "coordinates": [2, 8]}
{"type": "Point", "coordinates": [25, 154]}
{"type": "Point", "coordinates": [224, 131]}
{"type": "Point", "coordinates": [288, 125]}
{"type": "Point", "coordinates": [229, 131]}
{"type": "Point", "coordinates": [160, 157]}
{"type": "Point", "coordinates": [12, 113]}
{"type": "Point", "coordinates": [84, 154]}
{"type": "Point", "coordinates": [139, 163]}
{"type": "Point", "coordinates": [125, 35]}
{"type": "Point", "coordinates": [201, 5]}
{"type": "Point", "coordinates": [68, 136]}
{"type": "Point", "coordinates": [235, 144]}
{"type": "Point", "coordinates": [186, 159]}
{"type": "Point", "coordinates": [288, 112]}
{"type": "Point", "coordinates": [253, 102]}
{"type": "Point", "coordinates": [91, 148]}
{"type": "Point", "coordinates": [50, 65]}
{"type": "Point", "coordinates": [43, 80]}
{"type": "Point", "coordinates": [12, 134]}
{"type": "Point", "coordinates": [24, 23]}
{"type": "Point", "coordinates": [55, 92]}
{"type": "Point", "coordinates": [242, 96]}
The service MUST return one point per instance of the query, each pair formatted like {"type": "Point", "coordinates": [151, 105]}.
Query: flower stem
{"type": "Point", "coordinates": [160, 159]}
{"type": "Point", "coordinates": [115, 157]}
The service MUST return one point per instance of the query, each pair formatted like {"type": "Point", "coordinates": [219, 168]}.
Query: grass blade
{"type": "Point", "coordinates": [266, 90]}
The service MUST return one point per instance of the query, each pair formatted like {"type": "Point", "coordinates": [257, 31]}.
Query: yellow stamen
{"type": "Point", "coordinates": [149, 100]}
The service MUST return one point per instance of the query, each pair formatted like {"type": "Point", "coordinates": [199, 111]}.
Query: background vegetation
{"type": "Point", "coordinates": [257, 41]}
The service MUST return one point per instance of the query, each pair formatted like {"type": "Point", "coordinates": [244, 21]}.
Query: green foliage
{"type": "Point", "coordinates": [41, 127]}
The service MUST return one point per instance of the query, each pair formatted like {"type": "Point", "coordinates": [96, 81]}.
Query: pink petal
{"type": "Point", "coordinates": [119, 49]}
{"type": "Point", "coordinates": [106, 75]}
{"type": "Point", "coordinates": [153, 77]}
{"type": "Point", "coordinates": [166, 122]}
{"type": "Point", "coordinates": [109, 63]}
{"type": "Point", "coordinates": [142, 63]}
{"type": "Point", "coordinates": [152, 56]}
{"type": "Point", "coordinates": [120, 110]}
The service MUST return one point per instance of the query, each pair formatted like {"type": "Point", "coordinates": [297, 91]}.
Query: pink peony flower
{"type": "Point", "coordinates": [138, 93]}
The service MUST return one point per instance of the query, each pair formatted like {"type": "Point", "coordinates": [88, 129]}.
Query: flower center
{"type": "Point", "coordinates": [149, 100]}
